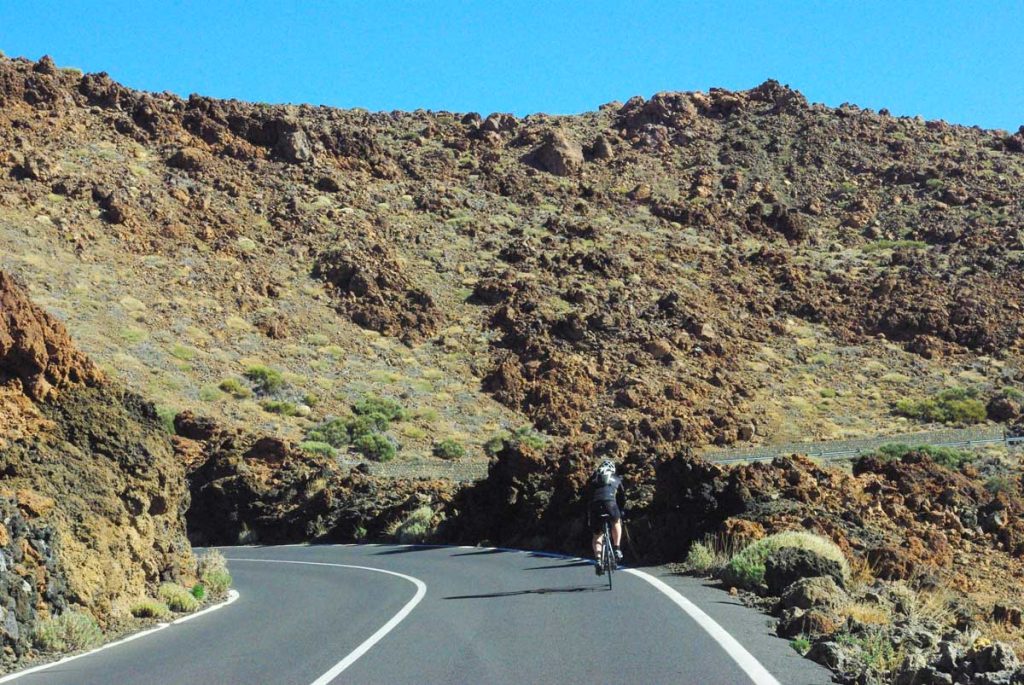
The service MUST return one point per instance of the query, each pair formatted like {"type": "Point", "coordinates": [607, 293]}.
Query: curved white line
{"type": "Point", "coordinates": [744, 659]}
{"type": "Point", "coordinates": [737, 652]}
{"type": "Point", "coordinates": [232, 596]}
{"type": "Point", "coordinates": [335, 671]}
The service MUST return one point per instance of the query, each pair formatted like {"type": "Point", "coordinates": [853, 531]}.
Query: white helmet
{"type": "Point", "coordinates": [606, 471]}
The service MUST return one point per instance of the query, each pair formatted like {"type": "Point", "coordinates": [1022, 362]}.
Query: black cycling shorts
{"type": "Point", "coordinates": [599, 510]}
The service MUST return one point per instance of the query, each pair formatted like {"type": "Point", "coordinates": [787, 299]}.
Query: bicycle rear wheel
{"type": "Point", "coordinates": [608, 554]}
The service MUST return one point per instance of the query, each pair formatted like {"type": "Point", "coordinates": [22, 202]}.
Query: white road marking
{"type": "Point", "coordinates": [744, 659]}
{"type": "Point", "coordinates": [338, 668]}
{"type": "Point", "coordinates": [232, 596]}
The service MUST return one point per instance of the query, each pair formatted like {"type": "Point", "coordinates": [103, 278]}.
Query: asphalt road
{"type": "Point", "coordinates": [394, 614]}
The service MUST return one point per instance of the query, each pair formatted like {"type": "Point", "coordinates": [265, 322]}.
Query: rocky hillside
{"type": "Point", "coordinates": [693, 268]}
{"type": "Point", "coordinates": [634, 282]}
{"type": "Point", "coordinates": [92, 501]}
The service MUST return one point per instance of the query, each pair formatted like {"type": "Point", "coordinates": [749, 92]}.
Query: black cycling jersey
{"type": "Point", "coordinates": [606, 492]}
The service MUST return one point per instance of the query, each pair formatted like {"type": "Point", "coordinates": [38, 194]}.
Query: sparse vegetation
{"type": "Point", "coordinates": [747, 567]}
{"type": "Point", "coordinates": [801, 644]}
{"type": "Point", "coordinates": [150, 608]}
{"type": "Point", "coordinates": [527, 437]}
{"type": "Point", "coordinates": [375, 446]}
{"type": "Point", "coordinates": [265, 380]}
{"type": "Point", "coordinates": [416, 527]}
{"type": "Point", "coordinates": [953, 405]}
{"type": "Point", "coordinates": [700, 559]}
{"type": "Point", "coordinates": [332, 431]}
{"type": "Point", "coordinates": [166, 416]}
{"type": "Point", "coordinates": [449, 449]}
{"type": "Point", "coordinates": [321, 449]}
{"type": "Point", "coordinates": [213, 572]}
{"type": "Point", "coordinates": [283, 407]}
{"type": "Point", "coordinates": [379, 406]}
{"type": "Point", "coordinates": [945, 456]}
{"type": "Point", "coordinates": [73, 630]}
{"type": "Point", "coordinates": [235, 388]}
{"type": "Point", "coordinates": [495, 445]}
{"type": "Point", "coordinates": [177, 598]}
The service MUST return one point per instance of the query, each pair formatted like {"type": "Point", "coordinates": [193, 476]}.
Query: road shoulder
{"type": "Point", "coordinates": [754, 630]}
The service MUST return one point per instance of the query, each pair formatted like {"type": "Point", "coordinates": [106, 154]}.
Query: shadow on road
{"type": "Point", "coordinates": [482, 551]}
{"type": "Point", "coordinates": [569, 565]}
{"type": "Point", "coordinates": [411, 548]}
{"type": "Point", "coordinates": [537, 591]}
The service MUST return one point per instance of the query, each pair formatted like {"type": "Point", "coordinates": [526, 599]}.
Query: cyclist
{"type": "Point", "coordinates": [606, 495]}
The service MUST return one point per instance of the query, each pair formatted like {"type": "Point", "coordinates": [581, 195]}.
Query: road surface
{"type": "Point", "coordinates": [400, 614]}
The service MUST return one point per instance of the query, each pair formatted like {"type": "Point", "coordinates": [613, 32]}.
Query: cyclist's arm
{"type": "Point", "coordinates": [620, 495]}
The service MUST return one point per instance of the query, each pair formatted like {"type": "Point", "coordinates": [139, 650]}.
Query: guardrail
{"type": "Point", "coordinates": [467, 471]}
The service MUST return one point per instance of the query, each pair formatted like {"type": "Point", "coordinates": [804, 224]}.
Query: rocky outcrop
{"type": "Point", "coordinates": [370, 287]}
{"type": "Point", "coordinates": [92, 500]}
{"type": "Point", "coordinates": [249, 489]}
{"type": "Point", "coordinates": [35, 348]}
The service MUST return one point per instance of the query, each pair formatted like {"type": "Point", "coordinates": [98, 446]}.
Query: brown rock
{"type": "Point", "coordinates": [188, 159]}
{"type": "Point", "coordinates": [559, 155]}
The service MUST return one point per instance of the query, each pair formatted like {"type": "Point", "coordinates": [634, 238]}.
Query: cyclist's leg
{"type": "Point", "coordinates": [616, 533]}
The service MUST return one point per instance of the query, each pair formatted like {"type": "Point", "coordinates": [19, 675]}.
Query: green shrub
{"type": "Point", "coordinates": [746, 569]}
{"type": "Point", "coordinates": [235, 388]}
{"type": "Point", "coordinates": [953, 405]}
{"type": "Point", "coordinates": [416, 527]}
{"type": "Point", "coordinates": [310, 400]}
{"type": "Point", "coordinates": [1013, 393]}
{"type": "Point", "coordinates": [71, 631]}
{"type": "Point", "coordinates": [366, 424]}
{"type": "Point", "coordinates": [198, 591]}
{"type": "Point", "coordinates": [370, 405]}
{"type": "Point", "coordinates": [376, 446]}
{"type": "Point", "coordinates": [318, 448]}
{"type": "Point", "coordinates": [998, 484]}
{"type": "Point", "coordinates": [217, 582]}
{"type": "Point", "coordinates": [449, 449]}
{"type": "Point", "coordinates": [177, 597]}
{"type": "Point", "coordinates": [700, 558]}
{"type": "Point", "coordinates": [495, 445]}
{"type": "Point", "coordinates": [332, 431]}
{"type": "Point", "coordinates": [212, 570]}
{"type": "Point", "coordinates": [150, 608]}
{"type": "Point", "coordinates": [282, 407]}
{"type": "Point", "coordinates": [527, 437]}
{"type": "Point", "coordinates": [210, 393]}
{"type": "Point", "coordinates": [801, 644]}
{"type": "Point", "coordinates": [265, 380]}
{"type": "Point", "coordinates": [944, 456]}
{"type": "Point", "coordinates": [166, 417]}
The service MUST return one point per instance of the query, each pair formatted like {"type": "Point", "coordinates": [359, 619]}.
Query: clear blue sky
{"type": "Point", "coordinates": [959, 61]}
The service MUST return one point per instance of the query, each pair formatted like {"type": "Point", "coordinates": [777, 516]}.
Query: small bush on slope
{"type": "Point", "coordinates": [213, 572]}
{"type": "Point", "coordinates": [416, 527]}
{"type": "Point", "coordinates": [953, 405]}
{"type": "Point", "coordinates": [177, 597]}
{"type": "Point", "coordinates": [71, 631]}
{"type": "Point", "coordinates": [150, 608]}
{"type": "Point", "coordinates": [747, 567]}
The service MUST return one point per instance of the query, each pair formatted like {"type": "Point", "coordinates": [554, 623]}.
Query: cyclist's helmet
{"type": "Point", "coordinates": [606, 471]}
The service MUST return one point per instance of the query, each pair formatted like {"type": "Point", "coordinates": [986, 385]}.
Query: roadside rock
{"type": "Point", "coordinates": [788, 565]}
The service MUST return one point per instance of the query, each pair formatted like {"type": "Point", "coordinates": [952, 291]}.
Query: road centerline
{"type": "Point", "coordinates": [366, 645]}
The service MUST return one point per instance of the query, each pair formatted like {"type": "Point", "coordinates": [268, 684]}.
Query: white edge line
{"type": "Point", "coordinates": [368, 643]}
{"type": "Point", "coordinates": [232, 596]}
{"type": "Point", "coordinates": [744, 659]}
